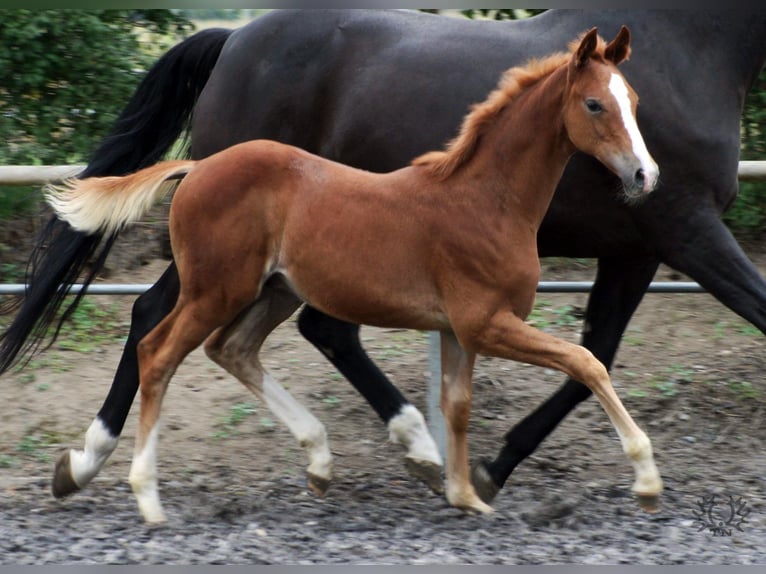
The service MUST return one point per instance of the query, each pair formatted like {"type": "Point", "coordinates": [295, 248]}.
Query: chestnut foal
{"type": "Point", "coordinates": [447, 244]}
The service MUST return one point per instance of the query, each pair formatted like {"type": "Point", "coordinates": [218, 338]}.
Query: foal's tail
{"type": "Point", "coordinates": [157, 114]}
{"type": "Point", "coordinates": [105, 205]}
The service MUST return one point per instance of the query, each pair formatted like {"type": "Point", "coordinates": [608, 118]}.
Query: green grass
{"type": "Point", "coordinates": [234, 417]}
{"type": "Point", "coordinates": [35, 445]}
{"type": "Point", "coordinates": [737, 326]}
{"type": "Point", "coordinates": [547, 316]}
{"type": "Point", "coordinates": [745, 390]}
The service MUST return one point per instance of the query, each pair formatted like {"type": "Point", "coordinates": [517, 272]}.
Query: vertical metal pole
{"type": "Point", "coordinates": [434, 414]}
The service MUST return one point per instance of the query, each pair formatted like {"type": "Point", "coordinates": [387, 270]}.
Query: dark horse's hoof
{"type": "Point", "coordinates": [482, 481]}
{"type": "Point", "coordinates": [426, 471]}
{"type": "Point", "coordinates": [63, 483]}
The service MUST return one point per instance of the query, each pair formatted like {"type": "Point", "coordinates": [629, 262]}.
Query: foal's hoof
{"type": "Point", "coordinates": [317, 484]}
{"type": "Point", "coordinates": [426, 471]}
{"type": "Point", "coordinates": [482, 481]}
{"type": "Point", "coordinates": [473, 506]}
{"type": "Point", "coordinates": [63, 484]}
{"type": "Point", "coordinates": [649, 502]}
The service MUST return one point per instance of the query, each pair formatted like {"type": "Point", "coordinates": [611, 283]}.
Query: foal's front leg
{"type": "Point", "coordinates": [509, 337]}
{"type": "Point", "coordinates": [457, 371]}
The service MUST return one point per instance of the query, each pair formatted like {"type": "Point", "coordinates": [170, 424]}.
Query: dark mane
{"type": "Point", "coordinates": [444, 163]}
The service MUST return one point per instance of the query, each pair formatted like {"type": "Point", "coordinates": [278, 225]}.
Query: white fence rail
{"type": "Point", "coordinates": [40, 174]}
{"type": "Point", "coordinates": [542, 287]}
{"type": "Point", "coordinates": [36, 174]}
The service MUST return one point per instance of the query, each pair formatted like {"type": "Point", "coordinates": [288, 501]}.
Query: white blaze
{"type": "Point", "coordinates": [620, 92]}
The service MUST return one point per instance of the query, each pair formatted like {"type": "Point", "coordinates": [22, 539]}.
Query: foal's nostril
{"type": "Point", "coordinates": [639, 178]}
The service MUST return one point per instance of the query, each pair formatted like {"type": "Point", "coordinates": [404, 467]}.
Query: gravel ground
{"type": "Point", "coordinates": [369, 521]}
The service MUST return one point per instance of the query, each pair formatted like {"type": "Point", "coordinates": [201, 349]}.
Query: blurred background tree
{"type": "Point", "coordinates": [64, 77]}
{"type": "Point", "coordinates": [65, 74]}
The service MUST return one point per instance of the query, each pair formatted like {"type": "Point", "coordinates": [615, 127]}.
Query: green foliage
{"type": "Point", "coordinates": [66, 74]}
{"type": "Point", "coordinates": [214, 13]}
{"type": "Point", "coordinates": [747, 216]}
{"type": "Point", "coordinates": [15, 199]}
{"type": "Point", "coordinates": [500, 14]}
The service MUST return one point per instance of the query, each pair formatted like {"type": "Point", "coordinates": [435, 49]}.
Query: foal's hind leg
{"type": "Point", "coordinates": [509, 337]}
{"type": "Point", "coordinates": [159, 354]}
{"type": "Point", "coordinates": [236, 346]}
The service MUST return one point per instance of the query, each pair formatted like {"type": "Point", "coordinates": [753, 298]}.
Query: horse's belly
{"type": "Point", "coordinates": [367, 298]}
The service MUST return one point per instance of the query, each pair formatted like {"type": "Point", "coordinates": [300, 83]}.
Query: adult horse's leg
{"type": "Point", "coordinates": [705, 249]}
{"type": "Point", "coordinates": [76, 468]}
{"type": "Point", "coordinates": [339, 342]}
{"type": "Point", "coordinates": [618, 289]}
{"type": "Point", "coordinates": [507, 336]}
{"type": "Point", "coordinates": [236, 348]}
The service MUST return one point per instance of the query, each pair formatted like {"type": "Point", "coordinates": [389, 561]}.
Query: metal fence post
{"type": "Point", "coordinates": [434, 412]}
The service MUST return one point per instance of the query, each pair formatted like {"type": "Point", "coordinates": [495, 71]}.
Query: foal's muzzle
{"type": "Point", "coordinates": [641, 182]}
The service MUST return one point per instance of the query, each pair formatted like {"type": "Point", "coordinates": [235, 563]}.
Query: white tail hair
{"type": "Point", "coordinates": [107, 204]}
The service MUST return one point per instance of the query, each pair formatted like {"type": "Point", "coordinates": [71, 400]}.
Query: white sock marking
{"type": "Point", "coordinates": [409, 428]}
{"type": "Point", "coordinates": [308, 431]}
{"type": "Point", "coordinates": [639, 451]}
{"type": "Point", "coordinates": [143, 479]}
{"type": "Point", "coordinates": [99, 444]}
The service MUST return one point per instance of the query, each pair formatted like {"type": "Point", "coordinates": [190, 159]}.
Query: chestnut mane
{"type": "Point", "coordinates": [444, 163]}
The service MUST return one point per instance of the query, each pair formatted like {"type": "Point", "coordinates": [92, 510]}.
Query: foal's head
{"type": "Point", "coordinates": [600, 112]}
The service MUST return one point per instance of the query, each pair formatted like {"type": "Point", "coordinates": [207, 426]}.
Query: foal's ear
{"type": "Point", "coordinates": [586, 48]}
{"type": "Point", "coordinates": [618, 50]}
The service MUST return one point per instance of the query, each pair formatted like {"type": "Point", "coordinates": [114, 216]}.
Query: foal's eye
{"type": "Point", "coordinates": [594, 106]}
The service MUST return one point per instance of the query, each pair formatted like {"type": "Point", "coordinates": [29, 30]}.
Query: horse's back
{"type": "Point", "coordinates": [342, 83]}
{"type": "Point", "coordinates": [374, 89]}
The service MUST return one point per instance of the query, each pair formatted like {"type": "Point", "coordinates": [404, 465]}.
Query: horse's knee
{"type": "Point", "coordinates": [214, 348]}
{"type": "Point", "coordinates": [588, 369]}
{"type": "Point", "coordinates": [225, 349]}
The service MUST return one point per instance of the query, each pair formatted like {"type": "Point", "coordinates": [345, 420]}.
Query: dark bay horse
{"type": "Point", "coordinates": [446, 244]}
{"type": "Point", "coordinates": [351, 86]}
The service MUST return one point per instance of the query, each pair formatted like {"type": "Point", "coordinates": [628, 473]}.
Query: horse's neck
{"type": "Point", "coordinates": [522, 156]}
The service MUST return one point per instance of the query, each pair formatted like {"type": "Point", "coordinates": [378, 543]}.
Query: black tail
{"type": "Point", "coordinates": [156, 116]}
